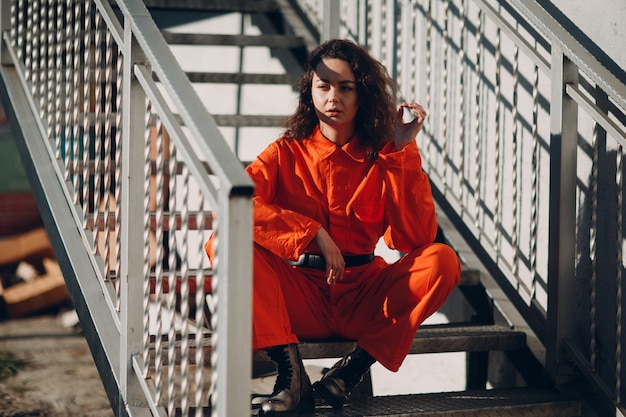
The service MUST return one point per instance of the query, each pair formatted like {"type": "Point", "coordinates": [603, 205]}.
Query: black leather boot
{"type": "Point", "coordinates": [292, 392]}
{"type": "Point", "coordinates": [337, 384]}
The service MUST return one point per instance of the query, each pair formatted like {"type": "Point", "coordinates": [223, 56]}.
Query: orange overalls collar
{"type": "Point", "coordinates": [326, 148]}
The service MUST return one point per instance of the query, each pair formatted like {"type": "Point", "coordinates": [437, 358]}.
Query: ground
{"type": "Point", "coordinates": [55, 373]}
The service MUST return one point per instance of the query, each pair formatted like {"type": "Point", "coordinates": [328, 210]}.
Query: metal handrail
{"type": "Point", "coordinates": [124, 188]}
{"type": "Point", "coordinates": [525, 134]}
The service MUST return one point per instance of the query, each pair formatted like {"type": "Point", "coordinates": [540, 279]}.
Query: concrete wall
{"type": "Point", "coordinates": [602, 21]}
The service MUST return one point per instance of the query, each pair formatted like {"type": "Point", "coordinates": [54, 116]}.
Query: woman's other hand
{"type": "Point", "coordinates": [335, 263]}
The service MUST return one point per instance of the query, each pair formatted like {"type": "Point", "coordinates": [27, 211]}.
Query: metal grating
{"type": "Point", "coordinates": [490, 403]}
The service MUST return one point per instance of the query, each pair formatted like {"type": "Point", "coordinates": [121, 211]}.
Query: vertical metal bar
{"type": "Point", "coordinates": [429, 89]}
{"type": "Point", "coordinates": [514, 181]}
{"type": "Point", "coordinates": [534, 196]}
{"type": "Point", "coordinates": [34, 47]}
{"type": "Point", "coordinates": [155, 143]}
{"type": "Point", "coordinates": [477, 117]}
{"type": "Point", "coordinates": [562, 215]}
{"type": "Point", "coordinates": [132, 196]}
{"type": "Point", "coordinates": [119, 69]}
{"type": "Point", "coordinates": [376, 25]}
{"type": "Point", "coordinates": [169, 201]}
{"type": "Point", "coordinates": [239, 87]}
{"type": "Point", "coordinates": [21, 22]}
{"type": "Point", "coordinates": [593, 247]}
{"type": "Point", "coordinates": [109, 145]}
{"type": "Point", "coordinates": [146, 265]}
{"type": "Point", "coordinates": [43, 61]}
{"type": "Point", "coordinates": [8, 22]}
{"type": "Point", "coordinates": [444, 95]}
{"type": "Point", "coordinates": [234, 325]}
{"type": "Point", "coordinates": [363, 27]}
{"type": "Point", "coordinates": [497, 216]}
{"type": "Point", "coordinates": [184, 295]}
{"type": "Point", "coordinates": [331, 20]}
{"type": "Point", "coordinates": [200, 302]}
{"type": "Point", "coordinates": [391, 39]}
{"type": "Point", "coordinates": [84, 137]}
{"type": "Point", "coordinates": [100, 204]}
{"type": "Point", "coordinates": [52, 109]}
{"type": "Point", "coordinates": [60, 79]}
{"type": "Point", "coordinates": [77, 89]}
{"type": "Point", "coordinates": [404, 51]}
{"type": "Point", "coordinates": [461, 101]}
{"type": "Point", "coordinates": [619, 276]}
{"type": "Point", "coordinates": [412, 65]}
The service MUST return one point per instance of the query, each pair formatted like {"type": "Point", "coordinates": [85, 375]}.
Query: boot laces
{"type": "Point", "coordinates": [285, 371]}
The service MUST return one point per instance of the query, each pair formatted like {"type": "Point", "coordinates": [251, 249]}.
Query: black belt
{"type": "Point", "coordinates": [310, 260]}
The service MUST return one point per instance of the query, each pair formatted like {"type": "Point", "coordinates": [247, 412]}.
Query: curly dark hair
{"type": "Point", "coordinates": [375, 119]}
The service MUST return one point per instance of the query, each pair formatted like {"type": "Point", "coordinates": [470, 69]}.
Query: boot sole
{"type": "Point", "coordinates": [334, 401]}
{"type": "Point", "coordinates": [305, 406]}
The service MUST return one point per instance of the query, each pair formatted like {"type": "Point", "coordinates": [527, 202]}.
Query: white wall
{"type": "Point", "coordinates": [603, 21]}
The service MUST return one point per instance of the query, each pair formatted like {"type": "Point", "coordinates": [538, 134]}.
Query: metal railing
{"type": "Point", "coordinates": [118, 148]}
{"type": "Point", "coordinates": [525, 147]}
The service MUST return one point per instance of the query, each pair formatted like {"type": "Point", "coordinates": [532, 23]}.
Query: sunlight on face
{"type": "Point", "coordinates": [334, 94]}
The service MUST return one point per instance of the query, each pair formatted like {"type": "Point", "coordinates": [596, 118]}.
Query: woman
{"type": "Point", "coordinates": [346, 173]}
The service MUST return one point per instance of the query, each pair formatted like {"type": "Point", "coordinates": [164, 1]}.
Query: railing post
{"type": "Point", "coordinates": [562, 216]}
{"type": "Point", "coordinates": [132, 224]}
{"type": "Point", "coordinates": [5, 24]}
{"type": "Point", "coordinates": [234, 308]}
{"type": "Point", "coordinates": [330, 20]}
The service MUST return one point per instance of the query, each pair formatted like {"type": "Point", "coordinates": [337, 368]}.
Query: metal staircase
{"type": "Point", "coordinates": [283, 32]}
{"type": "Point", "coordinates": [133, 169]}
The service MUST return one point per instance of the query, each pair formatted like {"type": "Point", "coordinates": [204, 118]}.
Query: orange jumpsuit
{"type": "Point", "coordinates": [302, 185]}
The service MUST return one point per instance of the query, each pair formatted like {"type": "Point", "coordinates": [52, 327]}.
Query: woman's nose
{"type": "Point", "coordinates": [333, 95]}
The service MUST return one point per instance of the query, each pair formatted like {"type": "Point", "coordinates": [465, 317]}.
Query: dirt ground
{"type": "Point", "coordinates": [58, 378]}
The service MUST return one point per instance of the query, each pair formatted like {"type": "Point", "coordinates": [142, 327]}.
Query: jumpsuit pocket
{"type": "Point", "coordinates": [370, 211]}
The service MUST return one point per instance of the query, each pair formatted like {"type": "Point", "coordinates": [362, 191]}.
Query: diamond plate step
{"type": "Point", "coordinates": [484, 403]}
{"type": "Point", "coordinates": [434, 339]}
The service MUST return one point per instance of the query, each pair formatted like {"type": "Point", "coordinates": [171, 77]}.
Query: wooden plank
{"type": "Point", "coordinates": [42, 292]}
{"type": "Point", "coordinates": [17, 247]}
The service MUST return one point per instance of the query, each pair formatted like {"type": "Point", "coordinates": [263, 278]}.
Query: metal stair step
{"type": "Point", "coordinates": [270, 41]}
{"type": "Point", "coordinates": [434, 339]}
{"type": "Point", "coordinates": [242, 78]}
{"type": "Point", "coordinates": [243, 120]}
{"type": "Point", "coordinates": [508, 402]}
{"type": "Point", "coordinates": [245, 6]}
{"type": "Point", "coordinates": [484, 403]}
{"type": "Point", "coordinates": [429, 339]}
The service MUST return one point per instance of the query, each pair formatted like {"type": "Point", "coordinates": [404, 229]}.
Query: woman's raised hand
{"type": "Point", "coordinates": [407, 132]}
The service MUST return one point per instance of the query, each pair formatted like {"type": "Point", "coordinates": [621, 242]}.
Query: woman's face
{"type": "Point", "coordinates": [334, 94]}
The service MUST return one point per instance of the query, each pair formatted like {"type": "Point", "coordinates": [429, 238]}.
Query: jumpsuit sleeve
{"type": "Point", "coordinates": [410, 209]}
{"type": "Point", "coordinates": [284, 232]}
